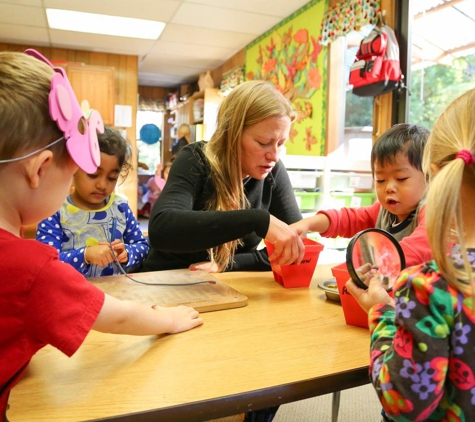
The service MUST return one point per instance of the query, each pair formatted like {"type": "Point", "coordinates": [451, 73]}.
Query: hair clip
{"type": "Point", "coordinates": [64, 109]}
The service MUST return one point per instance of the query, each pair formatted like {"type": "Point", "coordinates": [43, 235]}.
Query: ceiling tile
{"type": "Point", "coordinates": [163, 80]}
{"type": "Point", "coordinates": [22, 15]}
{"type": "Point", "coordinates": [35, 3]}
{"type": "Point", "coordinates": [17, 34]}
{"type": "Point", "coordinates": [280, 8]}
{"type": "Point", "coordinates": [189, 51]}
{"type": "Point", "coordinates": [224, 19]}
{"type": "Point", "coordinates": [161, 10]}
{"type": "Point", "coordinates": [204, 36]}
{"type": "Point", "coordinates": [104, 43]}
{"type": "Point", "coordinates": [182, 65]}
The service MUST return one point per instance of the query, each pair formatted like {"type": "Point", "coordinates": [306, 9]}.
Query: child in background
{"type": "Point", "coordinates": [43, 300]}
{"type": "Point", "coordinates": [93, 215]}
{"type": "Point", "coordinates": [396, 163]}
{"type": "Point", "coordinates": [422, 341]}
{"type": "Point", "coordinates": [183, 137]}
{"type": "Point", "coordinates": [155, 185]}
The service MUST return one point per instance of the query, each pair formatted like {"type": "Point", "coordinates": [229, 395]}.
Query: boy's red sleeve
{"type": "Point", "coordinates": [346, 222]}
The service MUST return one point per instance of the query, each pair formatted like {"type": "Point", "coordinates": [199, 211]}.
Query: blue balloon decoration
{"type": "Point", "coordinates": [150, 133]}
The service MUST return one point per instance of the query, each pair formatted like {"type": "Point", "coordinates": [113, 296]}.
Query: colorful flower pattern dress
{"type": "Point", "coordinates": [423, 352]}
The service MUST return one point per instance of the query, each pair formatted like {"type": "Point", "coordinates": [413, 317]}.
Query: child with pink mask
{"type": "Point", "coordinates": [44, 138]}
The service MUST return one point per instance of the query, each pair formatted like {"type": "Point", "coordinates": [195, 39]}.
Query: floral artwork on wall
{"type": "Point", "coordinates": [290, 57]}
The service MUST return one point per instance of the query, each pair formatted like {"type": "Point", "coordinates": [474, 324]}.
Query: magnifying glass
{"type": "Point", "coordinates": [374, 252]}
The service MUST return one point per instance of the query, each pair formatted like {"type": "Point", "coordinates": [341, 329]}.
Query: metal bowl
{"type": "Point", "coordinates": [330, 288]}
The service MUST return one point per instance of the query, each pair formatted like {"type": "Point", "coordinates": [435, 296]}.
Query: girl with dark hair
{"type": "Point", "coordinates": [94, 219]}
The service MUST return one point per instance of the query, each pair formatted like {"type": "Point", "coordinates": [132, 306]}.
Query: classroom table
{"type": "Point", "coordinates": [285, 345]}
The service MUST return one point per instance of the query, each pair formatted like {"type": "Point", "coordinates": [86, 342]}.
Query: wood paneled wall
{"type": "Point", "coordinates": [154, 92]}
{"type": "Point", "coordinates": [126, 89]}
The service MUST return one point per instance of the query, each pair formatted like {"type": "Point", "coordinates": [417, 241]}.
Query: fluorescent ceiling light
{"type": "Point", "coordinates": [93, 23]}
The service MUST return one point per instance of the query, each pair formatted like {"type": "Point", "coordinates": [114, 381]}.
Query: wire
{"type": "Point", "coordinates": [116, 260]}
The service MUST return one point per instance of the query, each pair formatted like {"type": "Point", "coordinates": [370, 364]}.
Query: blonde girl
{"type": "Point", "coordinates": [422, 341]}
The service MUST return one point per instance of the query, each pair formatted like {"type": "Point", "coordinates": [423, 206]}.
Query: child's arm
{"type": "Point", "coordinates": [134, 241]}
{"type": "Point", "coordinates": [345, 222]}
{"type": "Point", "coordinates": [50, 233]}
{"type": "Point", "coordinates": [126, 317]}
{"type": "Point", "coordinates": [316, 223]}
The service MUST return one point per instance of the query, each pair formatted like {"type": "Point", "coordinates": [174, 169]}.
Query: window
{"type": "Point", "coordinates": [443, 57]}
{"type": "Point", "coordinates": [149, 154]}
{"type": "Point", "coordinates": [353, 138]}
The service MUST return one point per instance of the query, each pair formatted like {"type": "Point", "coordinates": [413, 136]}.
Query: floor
{"type": "Point", "coordinates": [358, 404]}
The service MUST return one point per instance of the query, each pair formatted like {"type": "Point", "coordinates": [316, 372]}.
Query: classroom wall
{"type": "Point", "coordinates": [237, 60]}
{"type": "Point", "coordinates": [126, 89]}
{"type": "Point", "coordinates": [154, 92]}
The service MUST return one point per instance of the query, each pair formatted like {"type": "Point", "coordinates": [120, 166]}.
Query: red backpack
{"type": "Point", "coordinates": [376, 69]}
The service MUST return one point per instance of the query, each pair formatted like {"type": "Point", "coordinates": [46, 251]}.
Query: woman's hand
{"type": "Point", "coordinates": [207, 266]}
{"type": "Point", "coordinates": [373, 295]}
{"type": "Point", "coordinates": [288, 246]}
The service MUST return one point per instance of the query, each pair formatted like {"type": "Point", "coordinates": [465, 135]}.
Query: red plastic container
{"type": "Point", "coordinates": [297, 275]}
{"type": "Point", "coordinates": [354, 313]}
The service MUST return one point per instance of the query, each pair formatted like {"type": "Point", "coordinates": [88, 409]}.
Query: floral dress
{"type": "Point", "coordinates": [423, 352]}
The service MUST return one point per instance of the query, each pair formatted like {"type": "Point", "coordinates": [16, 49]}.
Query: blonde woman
{"type": "Point", "coordinates": [182, 140]}
{"type": "Point", "coordinates": [223, 197]}
{"type": "Point", "coordinates": [423, 340]}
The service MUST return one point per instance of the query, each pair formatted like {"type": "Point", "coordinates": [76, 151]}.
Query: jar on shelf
{"type": "Point", "coordinates": [198, 109]}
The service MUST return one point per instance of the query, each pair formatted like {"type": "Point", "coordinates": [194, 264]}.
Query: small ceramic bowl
{"type": "Point", "coordinates": [330, 288]}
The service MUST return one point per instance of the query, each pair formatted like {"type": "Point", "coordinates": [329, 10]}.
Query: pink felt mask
{"type": "Point", "coordinates": [64, 109]}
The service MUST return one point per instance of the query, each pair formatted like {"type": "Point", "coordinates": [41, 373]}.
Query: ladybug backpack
{"type": "Point", "coordinates": [377, 69]}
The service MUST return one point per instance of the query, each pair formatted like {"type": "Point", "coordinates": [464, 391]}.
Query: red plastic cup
{"type": "Point", "coordinates": [297, 275]}
{"type": "Point", "coordinates": [354, 313]}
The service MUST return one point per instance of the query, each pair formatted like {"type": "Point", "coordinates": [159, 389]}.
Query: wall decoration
{"type": "Point", "coordinates": [290, 57]}
{"type": "Point", "coordinates": [150, 133]}
{"type": "Point", "coordinates": [231, 79]}
{"type": "Point", "coordinates": [149, 104]}
{"type": "Point", "coordinates": [348, 16]}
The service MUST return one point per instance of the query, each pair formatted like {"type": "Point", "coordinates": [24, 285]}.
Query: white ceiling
{"type": "Point", "coordinates": [199, 35]}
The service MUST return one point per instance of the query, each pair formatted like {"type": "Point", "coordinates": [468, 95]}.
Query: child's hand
{"type": "Point", "coordinates": [120, 250]}
{"type": "Point", "coordinates": [374, 295]}
{"type": "Point", "coordinates": [317, 223]}
{"type": "Point", "coordinates": [210, 267]}
{"type": "Point", "coordinates": [100, 254]}
{"type": "Point", "coordinates": [301, 227]}
{"type": "Point", "coordinates": [181, 318]}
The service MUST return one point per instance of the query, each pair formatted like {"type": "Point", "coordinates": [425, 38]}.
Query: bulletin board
{"type": "Point", "coordinates": [290, 57]}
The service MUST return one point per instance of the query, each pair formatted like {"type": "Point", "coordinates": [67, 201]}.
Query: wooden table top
{"type": "Point", "coordinates": [285, 345]}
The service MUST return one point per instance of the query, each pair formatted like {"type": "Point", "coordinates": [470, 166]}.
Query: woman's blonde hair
{"type": "Point", "coordinates": [454, 131]}
{"type": "Point", "coordinates": [246, 105]}
{"type": "Point", "coordinates": [25, 122]}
